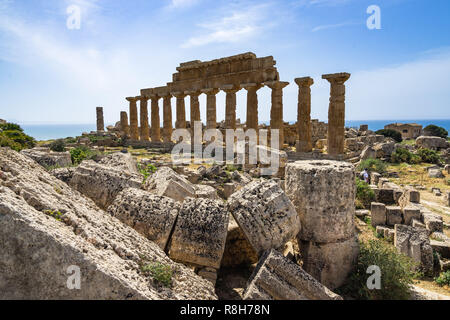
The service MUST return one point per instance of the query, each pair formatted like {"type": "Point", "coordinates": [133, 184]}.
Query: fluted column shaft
{"type": "Point", "coordinates": [100, 119]}
{"type": "Point", "coordinates": [145, 130]}
{"type": "Point", "coordinates": [156, 127]}
{"type": "Point", "coordinates": [211, 112]}
{"type": "Point", "coordinates": [124, 127]}
{"type": "Point", "coordinates": [181, 110]}
{"type": "Point", "coordinates": [230, 107]}
{"type": "Point", "coordinates": [252, 105]}
{"type": "Point", "coordinates": [167, 118]}
{"type": "Point", "coordinates": [276, 112]}
{"type": "Point", "coordinates": [134, 132]}
{"type": "Point", "coordinates": [336, 113]}
{"type": "Point", "coordinates": [304, 143]}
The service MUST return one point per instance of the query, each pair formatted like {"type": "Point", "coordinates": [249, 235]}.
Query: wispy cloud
{"type": "Point", "coordinates": [182, 3]}
{"type": "Point", "coordinates": [328, 3]}
{"type": "Point", "coordinates": [334, 26]}
{"type": "Point", "coordinates": [235, 26]}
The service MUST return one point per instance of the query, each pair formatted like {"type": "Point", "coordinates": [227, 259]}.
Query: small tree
{"type": "Point", "coordinates": [429, 156]}
{"type": "Point", "coordinates": [404, 155]}
{"type": "Point", "coordinates": [389, 133]}
{"type": "Point", "coordinates": [436, 131]}
{"type": "Point", "coordinates": [364, 194]}
{"type": "Point", "coordinates": [372, 165]}
{"type": "Point", "coordinates": [58, 146]}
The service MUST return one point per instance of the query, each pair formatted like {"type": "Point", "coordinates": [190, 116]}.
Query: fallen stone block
{"type": "Point", "coordinates": [206, 192]}
{"type": "Point", "coordinates": [200, 233]}
{"type": "Point", "coordinates": [47, 227]}
{"type": "Point", "coordinates": [414, 242]}
{"type": "Point", "coordinates": [378, 214]}
{"type": "Point", "coordinates": [265, 214]}
{"type": "Point", "coordinates": [63, 174]}
{"type": "Point", "coordinates": [393, 215]}
{"type": "Point", "coordinates": [47, 158]}
{"type": "Point", "coordinates": [386, 196]}
{"type": "Point", "coordinates": [151, 215]}
{"type": "Point", "coordinates": [362, 213]}
{"type": "Point", "coordinates": [410, 213]}
{"type": "Point", "coordinates": [102, 183]}
{"type": "Point", "coordinates": [417, 224]}
{"type": "Point", "coordinates": [166, 182]}
{"type": "Point", "coordinates": [432, 221]}
{"type": "Point", "coordinates": [121, 161]}
{"type": "Point", "coordinates": [330, 263]}
{"type": "Point", "coordinates": [323, 194]}
{"type": "Point", "coordinates": [277, 278]}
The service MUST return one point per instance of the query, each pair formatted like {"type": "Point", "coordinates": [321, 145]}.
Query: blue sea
{"type": "Point", "coordinates": [55, 131]}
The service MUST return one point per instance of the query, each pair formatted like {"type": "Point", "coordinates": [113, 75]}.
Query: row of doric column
{"type": "Point", "coordinates": [153, 131]}
{"type": "Point", "coordinates": [336, 113]}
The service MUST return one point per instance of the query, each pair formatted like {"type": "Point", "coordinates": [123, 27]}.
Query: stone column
{"type": "Point", "coordinates": [276, 112]}
{"type": "Point", "coordinates": [100, 120]}
{"type": "Point", "coordinates": [230, 106]}
{"type": "Point", "coordinates": [181, 110]}
{"type": "Point", "coordinates": [156, 126]}
{"type": "Point", "coordinates": [336, 112]}
{"type": "Point", "coordinates": [252, 104]}
{"type": "Point", "coordinates": [144, 118]}
{"type": "Point", "coordinates": [167, 118]}
{"type": "Point", "coordinates": [195, 106]}
{"type": "Point", "coordinates": [304, 143]}
{"type": "Point", "coordinates": [211, 113]}
{"type": "Point", "coordinates": [124, 127]}
{"type": "Point", "coordinates": [134, 132]}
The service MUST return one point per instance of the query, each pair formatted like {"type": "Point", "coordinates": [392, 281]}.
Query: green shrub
{"type": "Point", "coordinates": [443, 279]}
{"type": "Point", "coordinates": [58, 146]}
{"type": "Point", "coordinates": [436, 131]}
{"type": "Point", "coordinates": [397, 273]}
{"type": "Point", "coordinates": [429, 156]}
{"type": "Point", "coordinates": [54, 214]}
{"type": "Point", "coordinates": [12, 135]}
{"type": "Point", "coordinates": [81, 153]}
{"type": "Point", "coordinates": [372, 165]}
{"type": "Point", "coordinates": [161, 273]}
{"type": "Point", "coordinates": [364, 194]}
{"type": "Point", "coordinates": [404, 155]}
{"type": "Point", "coordinates": [146, 170]}
{"type": "Point", "coordinates": [389, 133]}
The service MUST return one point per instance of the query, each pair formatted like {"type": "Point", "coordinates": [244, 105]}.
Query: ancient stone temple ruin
{"type": "Point", "coordinates": [232, 74]}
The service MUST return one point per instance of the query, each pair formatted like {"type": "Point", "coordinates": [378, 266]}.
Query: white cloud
{"type": "Point", "coordinates": [333, 26]}
{"type": "Point", "coordinates": [182, 3]}
{"type": "Point", "coordinates": [236, 25]}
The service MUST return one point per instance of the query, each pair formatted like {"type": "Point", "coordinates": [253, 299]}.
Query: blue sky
{"type": "Point", "coordinates": [51, 74]}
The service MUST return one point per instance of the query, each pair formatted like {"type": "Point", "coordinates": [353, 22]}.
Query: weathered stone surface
{"type": "Point", "coordinates": [277, 278]}
{"type": "Point", "coordinates": [435, 143]}
{"type": "Point", "coordinates": [238, 250]}
{"type": "Point", "coordinates": [100, 120]}
{"type": "Point", "coordinates": [37, 249]}
{"type": "Point", "coordinates": [442, 247]}
{"type": "Point", "coordinates": [151, 215]}
{"type": "Point", "coordinates": [166, 182]}
{"type": "Point", "coordinates": [410, 213]}
{"type": "Point", "coordinates": [63, 174]}
{"type": "Point", "coordinates": [385, 196]}
{"type": "Point", "coordinates": [415, 244]}
{"type": "Point", "coordinates": [368, 153]}
{"type": "Point", "coordinates": [47, 158]}
{"type": "Point", "coordinates": [435, 173]}
{"type": "Point", "coordinates": [330, 263]}
{"type": "Point", "coordinates": [432, 221]}
{"type": "Point", "coordinates": [102, 183]}
{"type": "Point", "coordinates": [200, 233]}
{"type": "Point", "coordinates": [265, 215]}
{"type": "Point", "coordinates": [323, 194]}
{"type": "Point", "coordinates": [378, 214]}
{"type": "Point", "coordinates": [375, 178]}
{"type": "Point", "coordinates": [120, 161]}
{"type": "Point", "coordinates": [393, 215]}
{"type": "Point", "coordinates": [207, 192]}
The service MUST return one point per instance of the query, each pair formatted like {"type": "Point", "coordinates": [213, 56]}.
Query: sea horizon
{"type": "Point", "coordinates": [51, 131]}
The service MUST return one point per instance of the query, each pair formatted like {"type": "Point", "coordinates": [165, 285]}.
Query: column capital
{"type": "Point", "coordinates": [178, 94]}
{"type": "Point", "coordinates": [230, 88]}
{"type": "Point", "coordinates": [304, 82]}
{"type": "Point", "coordinates": [144, 97]}
{"type": "Point", "coordinates": [154, 97]}
{"type": "Point", "coordinates": [252, 86]}
{"type": "Point", "coordinates": [167, 95]}
{"type": "Point", "coordinates": [276, 84]}
{"type": "Point", "coordinates": [133, 99]}
{"type": "Point", "coordinates": [210, 91]}
{"type": "Point", "coordinates": [337, 78]}
{"type": "Point", "coordinates": [193, 93]}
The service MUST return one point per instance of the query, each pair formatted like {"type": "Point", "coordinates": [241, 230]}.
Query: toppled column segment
{"type": "Point", "coordinates": [166, 182]}
{"type": "Point", "coordinates": [277, 278]}
{"type": "Point", "coordinates": [265, 215]}
{"type": "Point", "coordinates": [200, 233]}
{"type": "Point", "coordinates": [151, 215]}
